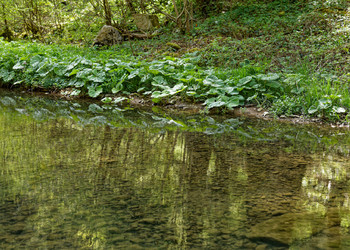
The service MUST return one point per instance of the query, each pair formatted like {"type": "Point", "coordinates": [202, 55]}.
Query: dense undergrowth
{"type": "Point", "coordinates": [291, 58]}
{"type": "Point", "coordinates": [97, 73]}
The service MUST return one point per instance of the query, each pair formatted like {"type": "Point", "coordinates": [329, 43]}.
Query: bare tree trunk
{"type": "Point", "coordinates": [108, 12]}
{"type": "Point", "coordinates": [143, 6]}
{"type": "Point", "coordinates": [130, 6]}
{"type": "Point", "coordinates": [3, 14]}
{"type": "Point", "coordinates": [6, 33]}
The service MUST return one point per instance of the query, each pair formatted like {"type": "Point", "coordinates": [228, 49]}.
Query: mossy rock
{"type": "Point", "coordinates": [193, 50]}
{"type": "Point", "coordinates": [174, 46]}
{"type": "Point", "coordinates": [174, 54]}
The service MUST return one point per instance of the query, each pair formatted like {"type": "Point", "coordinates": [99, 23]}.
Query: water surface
{"type": "Point", "coordinates": [83, 175]}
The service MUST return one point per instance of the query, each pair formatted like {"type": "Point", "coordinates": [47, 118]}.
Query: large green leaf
{"type": "Point", "coordinates": [313, 109]}
{"type": "Point", "coordinates": [19, 65]}
{"type": "Point", "coordinates": [339, 110]}
{"type": "Point", "coordinates": [324, 103]}
{"type": "Point", "coordinates": [84, 73]}
{"type": "Point", "coordinates": [269, 77]}
{"type": "Point", "coordinates": [117, 88]}
{"type": "Point", "coordinates": [94, 91]}
{"type": "Point", "coordinates": [97, 76]}
{"type": "Point", "coordinates": [213, 103]}
{"type": "Point", "coordinates": [60, 69]}
{"type": "Point", "coordinates": [245, 80]}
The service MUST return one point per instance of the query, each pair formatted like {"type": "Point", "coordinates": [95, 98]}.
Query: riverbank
{"type": "Point", "coordinates": [113, 76]}
{"type": "Point", "coordinates": [287, 58]}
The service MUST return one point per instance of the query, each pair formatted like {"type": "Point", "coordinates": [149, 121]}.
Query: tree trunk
{"type": "Point", "coordinates": [130, 6]}
{"type": "Point", "coordinates": [108, 13]}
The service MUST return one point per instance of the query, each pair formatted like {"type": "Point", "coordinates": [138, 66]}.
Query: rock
{"type": "Point", "coordinates": [286, 229]}
{"type": "Point", "coordinates": [148, 221]}
{"type": "Point", "coordinates": [175, 46]}
{"type": "Point", "coordinates": [108, 36]}
{"type": "Point", "coordinates": [146, 22]}
{"type": "Point", "coordinates": [261, 247]}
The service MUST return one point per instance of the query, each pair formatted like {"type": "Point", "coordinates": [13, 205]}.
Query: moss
{"type": "Point", "coordinates": [174, 54]}
{"type": "Point", "coordinates": [174, 46]}
{"type": "Point", "coordinates": [193, 50]}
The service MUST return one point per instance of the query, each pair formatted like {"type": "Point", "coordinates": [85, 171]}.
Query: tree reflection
{"type": "Point", "coordinates": [72, 185]}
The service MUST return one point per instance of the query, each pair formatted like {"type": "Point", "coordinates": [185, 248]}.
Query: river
{"type": "Point", "coordinates": [84, 175]}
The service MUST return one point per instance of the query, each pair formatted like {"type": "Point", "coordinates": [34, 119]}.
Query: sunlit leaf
{"type": "Point", "coordinates": [339, 110]}
{"type": "Point", "coordinates": [117, 88]}
{"type": "Point", "coordinates": [94, 91]}
{"type": "Point", "coordinates": [312, 110]}
{"type": "Point", "coordinates": [270, 77]}
{"type": "Point", "coordinates": [18, 65]}
{"type": "Point", "coordinates": [324, 103]}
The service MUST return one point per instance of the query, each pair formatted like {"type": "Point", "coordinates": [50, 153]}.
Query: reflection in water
{"type": "Point", "coordinates": [80, 180]}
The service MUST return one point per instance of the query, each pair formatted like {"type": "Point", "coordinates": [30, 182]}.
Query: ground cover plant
{"type": "Point", "coordinates": [97, 74]}
{"type": "Point", "coordinates": [111, 72]}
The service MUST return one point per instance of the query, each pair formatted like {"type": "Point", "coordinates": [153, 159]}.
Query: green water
{"type": "Point", "coordinates": [81, 175]}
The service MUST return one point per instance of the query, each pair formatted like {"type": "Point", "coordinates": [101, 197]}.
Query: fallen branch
{"type": "Point", "coordinates": [139, 35]}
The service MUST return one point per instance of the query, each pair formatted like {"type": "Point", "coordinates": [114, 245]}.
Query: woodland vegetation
{"type": "Point", "coordinates": [289, 56]}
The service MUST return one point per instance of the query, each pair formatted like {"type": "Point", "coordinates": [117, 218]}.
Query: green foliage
{"type": "Point", "coordinates": [96, 73]}
{"type": "Point", "coordinates": [105, 72]}
{"type": "Point", "coordinates": [304, 42]}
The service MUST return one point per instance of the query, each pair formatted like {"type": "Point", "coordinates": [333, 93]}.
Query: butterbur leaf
{"type": "Point", "coordinates": [134, 73]}
{"type": "Point", "coordinates": [231, 90]}
{"type": "Point", "coordinates": [75, 92]}
{"type": "Point", "coordinates": [245, 80]}
{"type": "Point", "coordinates": [269, 77]}
{"type": "Point", "coordinates": [157, 94]}
{"type": "Point", "coordinates": [79, 84]}
{"type": "Point", "coordinates": [83, 73]}
{"type": "Point", "coordinates": [313, 109]}
{"type": "Point", "coordinates": [191, 93]}
{"type": "Point", "coordinates": [146, 77]}
{"type": "Point", "coordinates": [339, 110]}
{"type": "Point", "coordinates": [117, 88]}
{"type": "Point", "coordinates": [106, 100]}
{"type": "Point", "coordinates": [214, 103]}
{"type": "Point", "coordinates": [215, 91]}
{"type": "Point", "coordinates": [35, 61]}
{"type": "Point", "coordinates": [140, 89]}
{"type": "Point", "coordinates": [72, 65]}
{"type": "Point", "coordinates": [213, 81]}
{"type": "Point", "coordinates": [189, 66]}
{"type": "Point", "coordinates": [160, 80]}
{"type": "Point", "coordinates": [233, 102]}
{"type": "Point", "coordinates": [44, 72]}
{"type": "Point", "coordinates": [94, 92]}
{"type": "Point", "coordinates": [8, 77]}
{"type": "Point", "coordinates": [324, 103]}
{"type": "Point", "coordinates": [60, 70]}
{"type": "Point", "coordinates": [97, 79]}
{"type": "Point", "coordinates": [3, 72]}
{"type": "Point", "coordinates": [86, 62]}
{"type": "Point", "coordinates": [119, 99]}
{"type": "Point", "coordinates": [18, 66]}
{"type": "Point", "coordinates": [274, 84]}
